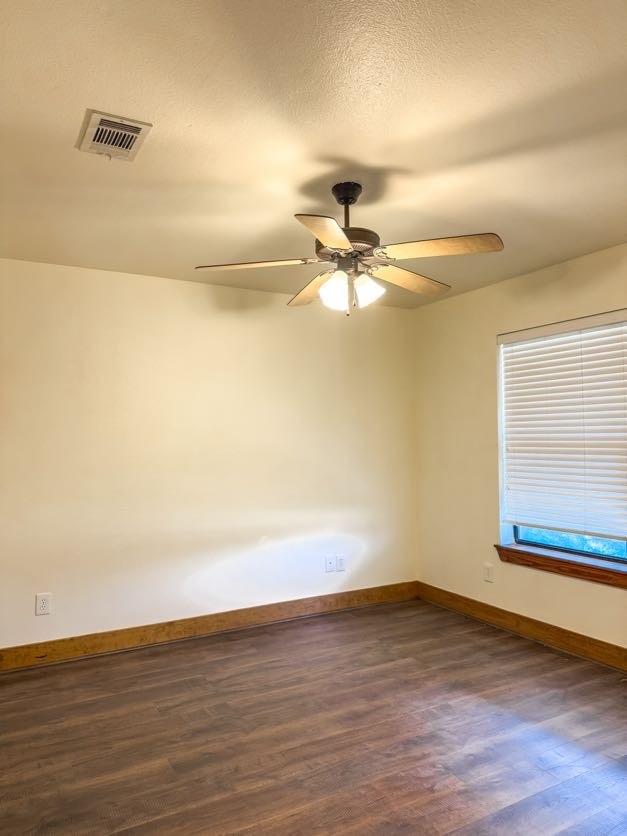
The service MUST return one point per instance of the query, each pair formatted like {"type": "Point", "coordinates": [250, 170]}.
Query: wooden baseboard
{"type": "Point", "coordinates": [557, 637]}
{"type": "Point", "coordinates": [114, 641]}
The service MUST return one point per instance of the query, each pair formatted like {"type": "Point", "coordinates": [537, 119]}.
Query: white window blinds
{"type": "Point", "coordinates": [564, 431]}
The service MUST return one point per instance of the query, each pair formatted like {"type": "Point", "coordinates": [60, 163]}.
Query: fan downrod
{"type": "Point", "coordinates": [346, 194]}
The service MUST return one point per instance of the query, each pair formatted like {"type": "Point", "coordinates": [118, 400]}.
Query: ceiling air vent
{"type": "Point", "coordinates": [114, 136]}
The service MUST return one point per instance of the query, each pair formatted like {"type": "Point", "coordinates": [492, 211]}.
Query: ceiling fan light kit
{"type": "Point", "coordinates": [344, 286]}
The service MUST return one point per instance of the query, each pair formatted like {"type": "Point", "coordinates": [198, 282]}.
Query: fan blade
{"type": "Point", "coordinates": [407, 279]}
{"type": "Point", "coordinates": [327, 231]}
{"type": "Point", "coordinates": [245, 265]}
{"type": "Point", "coordinates": [486, 242]}
{"type": "Point", "coordinates": [310, 291]}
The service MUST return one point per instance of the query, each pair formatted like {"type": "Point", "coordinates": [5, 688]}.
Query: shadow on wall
{"type": "Point", "coordinates": [277, 570]}
{"type": "Point", "coordinates": [239, 300]}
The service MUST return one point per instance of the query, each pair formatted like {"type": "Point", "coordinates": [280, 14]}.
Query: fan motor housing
{"type": "Point", "coordinates": [363, 242]}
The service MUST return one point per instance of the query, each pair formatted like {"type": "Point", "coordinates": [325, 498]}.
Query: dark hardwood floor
{"type": "Point", "coordinates": [402, 718]}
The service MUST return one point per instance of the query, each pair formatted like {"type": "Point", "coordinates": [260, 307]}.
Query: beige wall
{"type": "Point", "coordinates": [169, 449]}
{"type": "Point", "coordinates": [457, 452]}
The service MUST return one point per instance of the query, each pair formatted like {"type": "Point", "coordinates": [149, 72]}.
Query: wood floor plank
{"type": "Point", "coordinates": [565, 804]}
{"type": "Point", "coordinates": [402, 718]}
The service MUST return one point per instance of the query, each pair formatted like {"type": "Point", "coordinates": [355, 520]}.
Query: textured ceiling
{"type": "Point", "coordinates": [457, 117]}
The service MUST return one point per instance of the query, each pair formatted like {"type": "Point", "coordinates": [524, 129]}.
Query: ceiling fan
{"type": "Point", "coordinates": [354, 256]}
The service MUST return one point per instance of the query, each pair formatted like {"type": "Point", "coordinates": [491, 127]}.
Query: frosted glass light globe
{"type": "Point", "coordinates": [334, 292]}
{"type": "Point", "coordinates": [367, 290]}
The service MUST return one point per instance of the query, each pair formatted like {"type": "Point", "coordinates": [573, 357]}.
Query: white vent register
{"type": "Point", "coordinates": [113, 136]}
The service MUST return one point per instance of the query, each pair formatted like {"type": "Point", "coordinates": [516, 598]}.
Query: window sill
{"type": "Point", "coordinates": [585, 567]}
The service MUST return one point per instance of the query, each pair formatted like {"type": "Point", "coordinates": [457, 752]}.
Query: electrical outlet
{"type": "Point", "coordinates": [340, 561]}
{"type": "Point", "coordinates": [42, 603]}
{"type": "Point", "coordinates": [488, 572]}
{"type": "Point", "coordinates": [330, 563]}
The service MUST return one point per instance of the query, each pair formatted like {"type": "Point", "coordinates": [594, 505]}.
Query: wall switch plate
{"type": "Point", "coordinates": [340, 561]}
{"type": "Point", "coordinates": [43, 603]}
{"type": "Point", "coordinates": [330, 563]}
{"type": "Point", "coordinates": [488, 572]}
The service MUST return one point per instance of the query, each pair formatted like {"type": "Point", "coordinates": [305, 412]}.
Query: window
{"type": "Point", "coordinates": [563, 419]}
{"type": "Point", "coordinates": [568, 542]}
